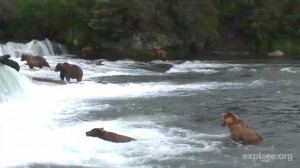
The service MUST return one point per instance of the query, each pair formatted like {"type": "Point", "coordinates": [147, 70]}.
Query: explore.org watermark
{"type": "Point", "coordinates": [268, 156]}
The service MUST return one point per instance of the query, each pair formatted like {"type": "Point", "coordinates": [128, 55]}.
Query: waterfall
{"type": "Point", "coordinates": [12, 83]}
{"type": "Point", "coordinates": [35, 47]}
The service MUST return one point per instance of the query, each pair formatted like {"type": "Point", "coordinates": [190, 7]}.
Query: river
{"type": "Point", "coordinates": [172, 108]}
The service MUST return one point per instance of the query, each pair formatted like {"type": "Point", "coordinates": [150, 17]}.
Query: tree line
{"type": "Point", "coordinates": [182, 26]}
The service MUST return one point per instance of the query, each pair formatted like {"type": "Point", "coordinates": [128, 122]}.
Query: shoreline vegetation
{"type": "Point", "coordinates": [134, 29]}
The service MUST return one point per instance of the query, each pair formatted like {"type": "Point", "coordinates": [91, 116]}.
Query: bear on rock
{"type": "Point", "coordinates": [11, 63]}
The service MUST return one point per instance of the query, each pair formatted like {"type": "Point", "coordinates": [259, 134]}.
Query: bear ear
{"type": "Point", "coordinates": [230, 114]}
{"type": "Point", "coordinates": [58, 65]}
{"type": "Point", "coordinates": [226, 115]}
{"type": "Point", "coordinates": [6, 56]}
{"type": "Point", "coordinates": [65, 63]}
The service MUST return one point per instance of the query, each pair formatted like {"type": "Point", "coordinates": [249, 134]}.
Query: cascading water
{"type": "Point", "coordinates": [35, 47]}
{"type": "Point", "coordinates": [12, 84]}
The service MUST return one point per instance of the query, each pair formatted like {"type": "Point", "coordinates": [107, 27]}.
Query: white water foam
{"type": "Point", "coordinates": [32, 132]}
{"type": "Point", "coordinates": [91, 90]}
{"type": "Point", "coordinates": [199, 66]}
{"type": "Point", "coordinates": [235, 69]}
{"type": "Point", "coordinates": [33, 141]}
{"type": "Point", "coordinates": [32, 129]}
{"type": "Point", "coordinates": [12, 84]}
{"type": "Point", "coordinates": [290, 70]}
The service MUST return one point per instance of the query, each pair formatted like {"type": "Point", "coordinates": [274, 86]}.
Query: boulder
{"type": "Point", "coordinates": [276, 53]}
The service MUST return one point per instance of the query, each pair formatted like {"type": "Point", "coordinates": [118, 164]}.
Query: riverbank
{"type": "Point", "coordinates": [111, 52]}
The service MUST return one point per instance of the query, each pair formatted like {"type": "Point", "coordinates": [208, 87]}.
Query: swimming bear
{"type": "Point", "coordinates": [109, 136]}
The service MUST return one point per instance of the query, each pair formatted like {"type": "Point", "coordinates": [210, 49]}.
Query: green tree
{"type": "Point", "coordinates": [196, 23]}
{"type": "Point", "coordinates": [116, 19]}
{"type": "Point", "coordinates": [263, 22]}
{"type": "Point", "coordinates": [7, 16]}
{"type": "Point", "coordinates": [290, 18]}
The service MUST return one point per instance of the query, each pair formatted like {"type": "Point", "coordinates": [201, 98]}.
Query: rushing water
{"type": "Point", "coordinates": [172, 108]}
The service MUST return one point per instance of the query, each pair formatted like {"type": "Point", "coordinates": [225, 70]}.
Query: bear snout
{"type": "Point", "coordinates": [91, 134]}
{"type": "Point", "coordinates": [224, 123]}
{"type": "Point", "coordinates": [88, 133]}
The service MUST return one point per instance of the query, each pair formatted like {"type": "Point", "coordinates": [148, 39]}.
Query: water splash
{"type": "Point", "coordinates": [199, 67]}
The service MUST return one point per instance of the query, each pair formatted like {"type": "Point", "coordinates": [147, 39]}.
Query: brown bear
{"type": "Point", "coordinates": [108, 136]}
{"type": "Point", "coordinates": [6, 61]}
{"type": "Point", "coordinates": [160, 54]}
{"type": "Point", "coordinates": [34, 61]}
{"type": "Point", "coordinates": [69, 71]}
{"type": "Point", "coordinates": [87, 52]}
{"type": "Point", "coordinates": [239, 129]}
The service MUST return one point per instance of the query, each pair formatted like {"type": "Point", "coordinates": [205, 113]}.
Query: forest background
{"type": "Point", "coordinates": [186, 29]}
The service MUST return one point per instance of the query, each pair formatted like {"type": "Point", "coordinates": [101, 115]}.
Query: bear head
{"type": "Point", "coordinates": [60, 66]}
{"type": "Point", "coordinates": [95, 132]}
{"type": "Point", "coordinates": [87, 52]}
{"type": "Point", "coordinates": [25, 56]}
{"type": "Point", "coordinates": [47, 64]}
{"type": "Point", "coordinates": [229, 119]}
{"type": "Point", "coordinates": [4, 57]}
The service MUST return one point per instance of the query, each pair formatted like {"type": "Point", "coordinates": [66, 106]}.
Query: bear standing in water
{"type": "Point", "coordinates": [239, 129]}
{"type": "Point", "coordinates": [6, 61]}
{"type": "Point", "coordinates": [34, 61]}
{"type": "Point", "coordinates": [88, 52]}
{"type": "Point", "coordinates": [69, 71]}
{"type": "Point", "coordinates": [160, 54]}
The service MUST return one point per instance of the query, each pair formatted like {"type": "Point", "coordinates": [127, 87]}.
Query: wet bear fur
{"type": "Point", "coordinates": [108, 136]}
{"type": "Point", "coordinates": [11, 63]}
{"type": "Point", "coordinates": [69, 71]}
{"type": "Point", "coordinates": [239, 129]}
{"type": "Point", "coordinates": [34, 61]}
